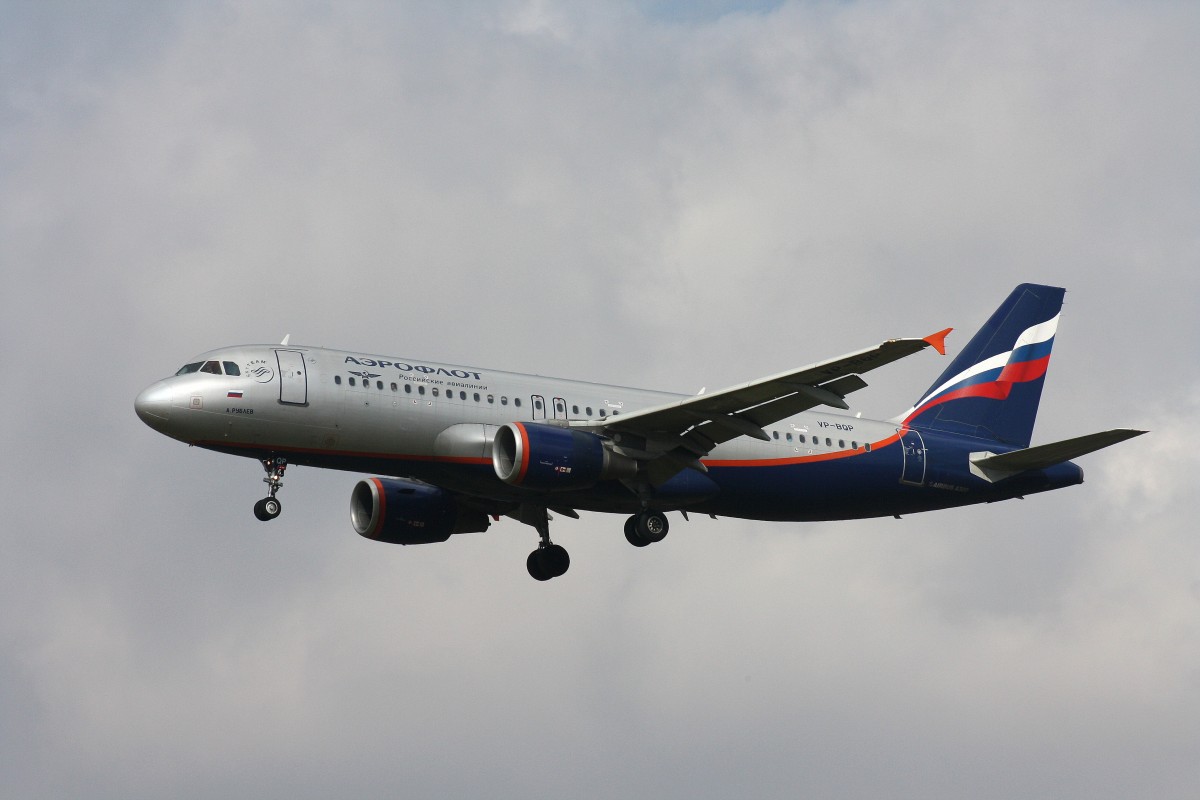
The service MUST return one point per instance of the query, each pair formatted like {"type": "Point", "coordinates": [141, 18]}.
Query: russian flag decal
{"type": "Point", "coordinates": [236, 395]}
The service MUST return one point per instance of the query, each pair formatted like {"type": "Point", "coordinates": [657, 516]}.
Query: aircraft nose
{"type": "Point", "coordinates": [153, 405]}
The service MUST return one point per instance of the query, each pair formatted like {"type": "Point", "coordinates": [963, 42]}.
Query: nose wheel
{"type": "Point", "coordinates": [269, 507]}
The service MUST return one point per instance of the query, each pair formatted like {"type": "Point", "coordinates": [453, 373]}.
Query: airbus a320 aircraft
{"type": "Point", "coordinates": [462, 446]}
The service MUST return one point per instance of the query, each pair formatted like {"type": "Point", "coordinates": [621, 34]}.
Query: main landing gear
{"type": "Point", "coordinates": [269, 507]}
{"type": "Point", "coordinates": [646, 528]}
{"type": "Point", "coordinates": [551, 560]}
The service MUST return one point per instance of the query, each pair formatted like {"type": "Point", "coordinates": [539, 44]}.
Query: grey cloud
{"type": "Point", "coordinates": [619, 193]}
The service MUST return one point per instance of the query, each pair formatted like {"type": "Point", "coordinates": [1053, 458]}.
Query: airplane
{"type": "Point", "coordinates": [458, 447]}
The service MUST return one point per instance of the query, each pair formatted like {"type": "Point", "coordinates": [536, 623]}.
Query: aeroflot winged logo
{"type": "Point", "coordinates": [994, 377]}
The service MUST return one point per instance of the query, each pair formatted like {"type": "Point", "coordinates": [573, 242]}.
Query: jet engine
{"type": "Point", "coordinates": [549, 457]}
{"type": "Point", "coordinates": [400, 511]}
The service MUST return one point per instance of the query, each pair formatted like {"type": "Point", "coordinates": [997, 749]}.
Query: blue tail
{"type": "Point", "coordinates": [992, 388]}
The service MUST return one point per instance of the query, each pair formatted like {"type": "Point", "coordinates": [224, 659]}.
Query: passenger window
{"type": "Point", "coordinates": [394, 387]}
{"type": "Point", "coordinates": [477, 397]}
{"type": "Point", "coordinates": [421, 389]}
{"type": "Point", "coordinates": [462, 395]}
{"type": "Point", "coordinates": [602, 413]}
{"type": "Point", "coordinates": [853, 445]}
{"type": "Point", "coordinates": [211, 367]}
{"type": "Point", "coordinates": [408, 388]}
{"type": "Point", "coordinates": [774, 434]}
{"type": "Point", "coordinates": [352, 383]}
{"type": "Point", "coordinates": [379, 385]}
{"type": "Point", "coordinates": [231, 368]}
{"type": "Point", "coordinates": [435, 392]}
{"type": "Point", "coordinates": [337, 379]}
{"type": "Point", "coordinates": [828, 442]}
{"type": "Point", "coordinates": [802, 439]}
{"type": "Point", "coordinates": [491, 399]}
{"type": "Point", "coordinates": [503, 400]}
{"type": "Point", "coordinates": [517, 402]}
{"type": "Point", "coordinates": [575, 410]}
{"type": "Point", "coordinates": [588, 411]}
{"type": "Point", "coordinates": [867, 447]}
{"type": "Point", "coordinates": [190, 368]}
{"type": "Point", "coordinates": [789, 437]}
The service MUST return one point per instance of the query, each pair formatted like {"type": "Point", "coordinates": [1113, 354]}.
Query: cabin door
{"type": "Point", "coordinates": [293, 382]}
{"type": "Point", "coordinates": [914, 458]}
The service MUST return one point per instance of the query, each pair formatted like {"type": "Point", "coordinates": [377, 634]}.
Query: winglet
{"type": "Point", "coordinates": [285, 340]}
{"type": "Point", "coordinates": [938, 340]}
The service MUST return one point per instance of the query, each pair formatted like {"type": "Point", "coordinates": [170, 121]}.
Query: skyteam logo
{"type": "Point", "coordinates": [993, 378]}
{"type": "Point", "coordinates": [260, 371]}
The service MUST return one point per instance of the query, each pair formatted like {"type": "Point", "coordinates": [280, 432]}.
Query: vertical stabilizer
{"type": "Point", "coordinates": [992, 388]}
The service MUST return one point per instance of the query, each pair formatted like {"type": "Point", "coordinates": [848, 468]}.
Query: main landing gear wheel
{"type": "Point", "coordinates": [631, 533]}
{"type": "Point", "coordinates": [646, 528]}
{"type": "Point", "coordinates": [269, 507]}
{"type": "Point", "coordinates": [548, 562]}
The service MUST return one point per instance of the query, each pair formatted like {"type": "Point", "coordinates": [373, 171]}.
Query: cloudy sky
{"type": "Point", "coordinates": [662, 194]}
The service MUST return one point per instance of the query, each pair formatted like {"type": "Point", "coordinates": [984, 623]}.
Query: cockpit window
{"type": "Point", "coordinates": [211, 367]}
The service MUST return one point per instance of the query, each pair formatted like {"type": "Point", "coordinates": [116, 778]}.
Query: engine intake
{"type": "Point", "coordinates": [400, 511]}
{"type": "Point", "coordinates": [551, 458]}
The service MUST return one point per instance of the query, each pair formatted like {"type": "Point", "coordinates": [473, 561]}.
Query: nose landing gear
{"type": "Point", "coordinates": [269, 507]}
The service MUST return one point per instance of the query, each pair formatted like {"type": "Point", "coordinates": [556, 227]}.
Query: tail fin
{"type": "Point", "coordinates": [992, 388]}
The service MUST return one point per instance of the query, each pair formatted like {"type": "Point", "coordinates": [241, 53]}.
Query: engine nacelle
{"type": "Point", "coordinates": [551, 458]}
{"type": "Point", "coordinates": [399, 511]}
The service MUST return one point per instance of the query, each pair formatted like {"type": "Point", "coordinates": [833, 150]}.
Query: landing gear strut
{"type": "Point", "coordinates": [550, 560]}
{"type": "Point", "coordinates": [269, 507]}
{"type": "Point", "coordinates": [646, 528]}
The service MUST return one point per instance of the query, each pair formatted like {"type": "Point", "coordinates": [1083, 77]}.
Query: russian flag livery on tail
{"type": "Point", "coordinates": [992, 389]}
{"type": "Point", "coordinates": [463, 446]}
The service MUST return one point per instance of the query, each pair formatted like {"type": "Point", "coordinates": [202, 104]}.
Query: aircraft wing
{"type": "Point", "coordinates": [676, 435]}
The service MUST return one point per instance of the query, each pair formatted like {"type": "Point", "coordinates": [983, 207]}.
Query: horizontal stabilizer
{"type": "Point", "coordinates": [993, 467]}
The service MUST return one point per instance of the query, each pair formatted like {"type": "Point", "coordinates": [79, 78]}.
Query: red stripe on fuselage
{"type": "Point", "coordinates": [321, 451]}
{"type": "Point", "coordinates": [781, 462]}
{"type": "Point", "coordinates": [471, 460]}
